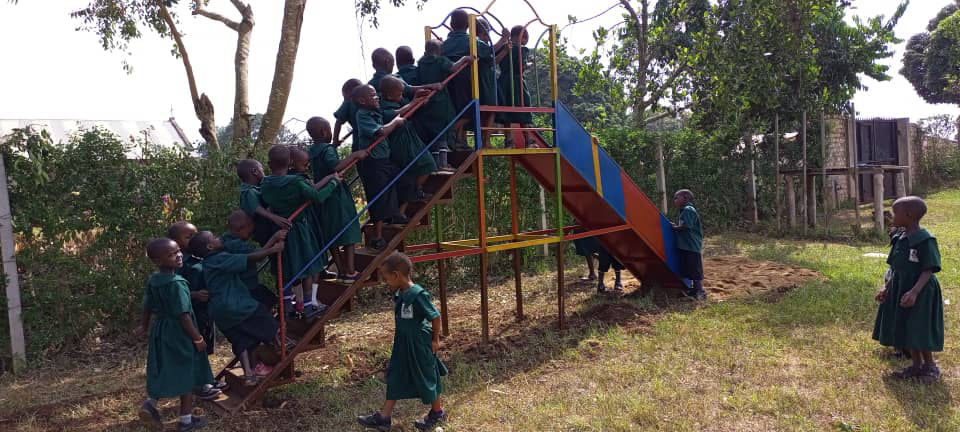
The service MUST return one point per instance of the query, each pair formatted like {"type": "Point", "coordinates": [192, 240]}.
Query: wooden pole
{"type": "Point", "coordinates": [792, 201]}
{"type": "Point", "coordinates": [803, 179]}
{"type": "Point", "coordinates": [855, 165]}
{"type": "Point", "coordinates": [14, 307]}
{"type": "Point", "coordinates": [748, 141]}
{"type": "Point", "coordinates": [825, 194]}
{"type": "Point", "coordinates": [900, 186]}
{"type": "Point", "coordinates": [662, 179]}
{"type": "Point", "coordinates": [878, 203]}
{"type": "Point", "coordinates": [515, 226]}
{"type": "Point", "coordinates": [776, 167]}
{"type": "Point", "coordinates": [812, 201]}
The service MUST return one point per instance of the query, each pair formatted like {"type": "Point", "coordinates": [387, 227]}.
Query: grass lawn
{"type": "Point", "coordinates": [796, 361]}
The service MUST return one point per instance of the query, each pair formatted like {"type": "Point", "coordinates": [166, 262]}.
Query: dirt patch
{"type": "Point", "coordinates": [726, 277]}
{"type": "Point", "coordinates": [621, 314]}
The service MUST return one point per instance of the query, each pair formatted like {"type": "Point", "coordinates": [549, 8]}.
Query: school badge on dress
{"type": "Point", "coordinates": [406, 311]}
{"type": "Point", "coordinates": [913, 256]}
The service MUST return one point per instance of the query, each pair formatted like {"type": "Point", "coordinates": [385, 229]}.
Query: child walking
{"type": "Point", "coordinates": [177, 362]}
{"type": "Point", "coordinates": [415, 370]}
{"type": "Point", "coordinates": [689, 242]}
{"type": "Point", "coordinates": [340, 211]}
{"type": "Point", "coordinates": [911, 311]}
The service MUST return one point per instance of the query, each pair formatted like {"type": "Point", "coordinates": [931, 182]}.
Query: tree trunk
{"type": "Point", "coordinates": [241, 102]}
{"type": "Point", "coordinates": [662, 179]}
{"type": "Point", "coordinates": [283, 73]}
{"type": "Point", "coordinates": [201, 103]}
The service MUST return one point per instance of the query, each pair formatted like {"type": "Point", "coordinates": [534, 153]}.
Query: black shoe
{"type": "Point", "coordinates": [375, 421]}
{"type": "Point", "coordinates": [195, 423]}
{"type": "Point", "coordinates": [423, 196]}
{"type": "Point", "coordinates": [601, 288]}
{"type": "Point", "coordinates": [207, 393]}
{"type": "Point", "coordinates": [378, 244]}
{"type": "Point", "coordinates": [432, 419]}
{"type": "Point", "coordinates": [701, 295]}
{"type": "Point", "coordinates": [221, 385]}
{"type": "Point", "coordinates": [618, 287]}
{"type": "Point", "coordinates": [328, 275]}
{"type": "Point", "coordinates": [150, 417]}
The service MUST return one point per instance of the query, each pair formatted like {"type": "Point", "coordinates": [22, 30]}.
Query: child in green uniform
{"type": "Point", "coordinates": [376, 169]}
{"type": "Point", "coordinates": [192, 271]}
{"type": "Point", "coordinates": [689, 242]}
{"type": "Point", "coordinates": [406, 69]}
{"type": "Point", "coordinates": [245, 322]}
{"type": "Point", "coordinates": [415, 371]}
{"type": "Point", "coordinates": [177, 362]}
{"type": "Point", "coordinates": [911, 310]}
{"type": "Point", "coordinates": [339, 209]}
{"type": "Point", "coordinates": [237, 241]}
{"type": "Point", "coordinates": [346, 113]}
{"type": "Point", "coordinates": [300, 165]}
{"type": "Point", "coordinates": [284, 194]}
{"type": "Point", "coordinates": [383, 67]}
{"type": "Point", "coordinates": [438, 111]}
{"type": "Point", "coordinates": [265, 222]}
{"type": "Point", "coordinates": [513, 88]}
{"type": "Point", "coordinates": [405, 144]}
{"type": "Point", "coordinates": [457, 46]}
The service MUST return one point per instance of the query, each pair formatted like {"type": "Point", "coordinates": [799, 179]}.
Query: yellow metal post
{"type": "Point", "coordinates": [553, 63]}
{"type": "Point", "coordinates": [473, 52]}
{"type": "Point", "coordinates": [427, 33]}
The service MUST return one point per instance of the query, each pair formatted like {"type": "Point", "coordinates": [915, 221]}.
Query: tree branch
{"type": "Point", "coordinates": [199, 10]}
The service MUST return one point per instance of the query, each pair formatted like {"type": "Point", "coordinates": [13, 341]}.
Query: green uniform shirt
{"type": "Point", "coordinates": [378, 76]}
{"type": "Point", "coordinates": [339, 210]}
{"type": "Point", "coordinates": [414, 370]}
{"type": "Point", "coordinates": [285, 194]}
{"type": "Point", "coordinates": [405, 144]}
{"type": "Point", "coordinates": [457, 46]}
{"type": "Point", "coordinates": [409, 74]}
{"type": "Point", "coordinates": [235, 245]}
{"type": "Point", "coordinates": [230, 300]}
{"type": "Point", "coordinates": [434, 115]}
{"type": "Point", "coordinates": [250, 199]}
{"type": "Point", "coordinates": [691, 238]}
{"type": "Point", "coordinates": [369, 124]}
{"type": "Point", "coordinates": [919, 327]}
{"type": "Point", "coordinates": [174, 366]}
{"type": "Point", "coordinates": [347, 112]}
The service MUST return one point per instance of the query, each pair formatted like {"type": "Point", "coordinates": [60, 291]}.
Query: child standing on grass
{"type": "Point", "coordinates": [177, 362]}
{"type": "Point", "coordinates": [911, 311]}
{"type": "Point", "coordinates": [414, 370]}
{"type": "Point", "coordinates": [689, 242]}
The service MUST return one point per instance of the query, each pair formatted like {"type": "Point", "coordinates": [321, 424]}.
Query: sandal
{"type": "Point", "coordinates": [908, 372]}
{"type": "Point", "coordinates": [588, 278]}
{"type": "Point", "coordinates": [929, 374]}
{"type": "Point", "coordinates": [251, 380]}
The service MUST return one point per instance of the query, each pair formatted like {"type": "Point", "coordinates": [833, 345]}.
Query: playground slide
{"type": "Point", "coordinates": [600, 194]}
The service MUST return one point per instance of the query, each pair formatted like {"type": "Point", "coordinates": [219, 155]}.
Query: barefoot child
{"type": "Point", "coordinates": [375, 168]}
{"type": "Point", "coordinates": [346, 113]}
{"type": "Point", "coordinates": [265, 222]}
{"type": "Point", "coordinates": [415, 371]}
{"type": "Point", "coordinates": [911, 313]}
{"type": "Point", "coordinates": [284, 194]}
{"type": "Point", "coordinates": [244, 321]}
{"type": "Point", "coordinates": [689, 242]}
{"type": "Point", "coordinates": [405, 144]}
{"type": "Point", "coordinates": [339, 209]}
{"type": "Point", "coordinates": [177, 362]}
{"type": "Point", "coordinates": [438, 111]}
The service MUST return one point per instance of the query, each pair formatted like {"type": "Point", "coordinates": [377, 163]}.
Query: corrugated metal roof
{"type": "Point", "coordinates": [158, 132]}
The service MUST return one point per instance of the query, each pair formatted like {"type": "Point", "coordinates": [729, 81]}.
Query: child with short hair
{"type": "Point", "coordinates": [911, 310]}
{"type": "Point", "coordinates": [339, 209]}
{"type": "Point", "coordinates": [406, 69]}
{"type": "Point", "coordinates": [689, 236]}
{"type": "Point", "coordinates": [512, 86]}
{"type": "Point", "coordinates": [237, 241]}
{"type": "Point", "coordinates": [284, 194]}
{"type": "Point", "coordinates": [415, 371]}
{"type": "Point", "coordinates": [177, 362]}
{"type": "Point", "coordinates": [375, 168]}
{"type": "Point", "coordinates": [245, 322]}
{"type": "Point", "coordinates": [346, 113]}
{"type": "Point", "coordinates": [265, 222]}
{"type": "Point", "coordinates": [405, 144]}
{"type": "Point", "coordinates": [192, 271]}
{"type": "Point", "coordinates": [300, 166]}
{"type": "Point", "coordinates": [383, 66]}
{"type": "Point", "coordinates": [438, 111]}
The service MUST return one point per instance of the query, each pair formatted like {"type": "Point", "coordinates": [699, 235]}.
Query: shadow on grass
{"type": "Point", "coordinates": [926, 405]}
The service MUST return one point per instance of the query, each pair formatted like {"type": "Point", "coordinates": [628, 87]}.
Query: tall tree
{"type": "Point", "coordinates": [932, 59]}
{"type": "Point", "coordinates": [283, 72]}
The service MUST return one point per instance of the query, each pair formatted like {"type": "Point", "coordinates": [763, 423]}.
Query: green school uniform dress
{"type": "Point", "coordinates": [377, 170]}
{"type": "Point", "coordinates": [250, 199]}
{"type": "Point", "coordinates": [690, 244]}
{"type": "Point", "coordinates": [437, 112]}
{"type": "Point", "coordinates": [174, 366]}
{"type": "Point", "coordinates": [339, 208]}
{"type": "Point", "coordinates": [919, 327]}
{"type": "Point", "coordinates": [415, 370]}
{"type": "Point", "coordinates": [405, 144]}
{"type": "Point", "coordinates": [312, 213]}
{"type": "Point", "coordinates": [513, 88]}
{"type": "Point", "coordinates": [192, 271]}
{"type": "Point", "coordinates": [409, 74]}
{"type": "Point", "coordinates": [284, 194]}
{"type": "Point", "coordinates": [347, 112]}
{"type": "Point", "coordinates": [457, 46]}
{"type": "Point", "coordinates": [245, 322]}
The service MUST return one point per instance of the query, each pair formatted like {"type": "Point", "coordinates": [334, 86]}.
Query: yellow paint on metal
{"type": "Point", "coordinates": [427, 33]}
{"type": "Point", "coordinates": [596, 165]}
{"type": "Point", "coordinates": [554, 88]}
{"type": "Point", "coordinates": [523, 244]}
{"type": "Point", "coordinates": [473, 52]}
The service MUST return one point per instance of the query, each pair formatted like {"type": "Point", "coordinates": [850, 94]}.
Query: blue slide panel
{"type": "Point", "coordinates": [610, 175]}
{"type": "Point", "coordinates": [670, 248]}
{"type": "Point", "coordinates": [575, 145]}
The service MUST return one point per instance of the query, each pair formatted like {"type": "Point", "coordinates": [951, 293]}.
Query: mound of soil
{"type": "Point", "coordinates": [732, 276]}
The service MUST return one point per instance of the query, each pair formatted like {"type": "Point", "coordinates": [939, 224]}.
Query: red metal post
{"type": "Point", "coordinates": [515, 224]}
